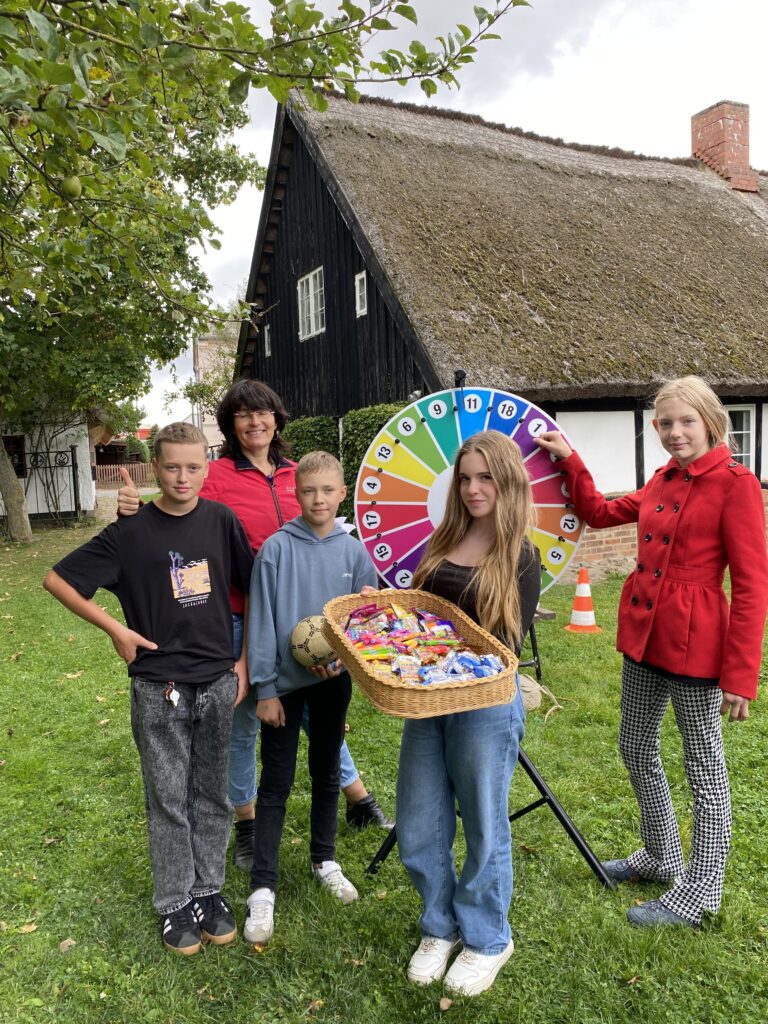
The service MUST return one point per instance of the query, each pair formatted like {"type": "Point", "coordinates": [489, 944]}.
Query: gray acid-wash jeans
{"type": "Point", "coordinates": [184, 753]}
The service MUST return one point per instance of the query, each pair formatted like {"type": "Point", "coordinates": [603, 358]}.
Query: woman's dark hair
{"type": "Point", "coordinates": [252, 395]}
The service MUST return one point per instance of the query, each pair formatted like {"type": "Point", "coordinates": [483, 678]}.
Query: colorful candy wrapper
{"type": "Point", "coordinates": [407, 667]}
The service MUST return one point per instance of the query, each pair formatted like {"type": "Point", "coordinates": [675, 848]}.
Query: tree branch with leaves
{"type": "Point", "coordinates": [116, 141]}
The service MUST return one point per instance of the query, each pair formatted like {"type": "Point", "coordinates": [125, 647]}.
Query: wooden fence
{"type": "Point", "coordinates": [141, 474]}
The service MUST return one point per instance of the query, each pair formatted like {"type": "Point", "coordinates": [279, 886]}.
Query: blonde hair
{"type": "Point", "coordinates": [319, 462]}
{"type": "Point", "coordinates": [695, 391]}
{"type": "Point", "coordinates": [178, 433]}
{"type": "Point", "coordinates": [497, 595]}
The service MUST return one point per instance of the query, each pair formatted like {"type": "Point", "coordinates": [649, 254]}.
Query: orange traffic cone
{"type": "Point", "coordinates": [583, 614]}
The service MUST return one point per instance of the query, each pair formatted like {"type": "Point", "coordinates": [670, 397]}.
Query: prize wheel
{"type": "Point", "coordinates": [406, 474]}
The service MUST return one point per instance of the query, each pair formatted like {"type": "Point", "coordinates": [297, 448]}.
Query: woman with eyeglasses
{"type": "Point", "coordinates": [253, 477]}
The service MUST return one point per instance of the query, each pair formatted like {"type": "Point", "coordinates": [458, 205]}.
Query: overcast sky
{"type": "Point", "coordinates": [607, 72]}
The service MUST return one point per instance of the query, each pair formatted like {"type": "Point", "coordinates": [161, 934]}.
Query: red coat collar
{"type": "Point", "coordinates": [703, 464]}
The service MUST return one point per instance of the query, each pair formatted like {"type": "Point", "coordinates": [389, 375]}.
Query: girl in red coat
{"type": "Point", "coordinates": [697, 516]}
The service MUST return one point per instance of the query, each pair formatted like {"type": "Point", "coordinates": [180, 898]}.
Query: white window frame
{"type": "Point", "coordinates": [311, 297]}
{"type": "Point", "coordinates": [267, 341]}
{"type": "Point", "coordinates": [751, 410]}
{"type": "Point", "coordinates": [361, 294]}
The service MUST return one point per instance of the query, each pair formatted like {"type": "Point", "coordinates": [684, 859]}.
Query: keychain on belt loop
{"type": "Point", "coordinates": [172, 694]}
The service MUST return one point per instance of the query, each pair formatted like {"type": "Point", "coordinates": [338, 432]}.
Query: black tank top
{"type": "Point", "coordinates": [453, 582]}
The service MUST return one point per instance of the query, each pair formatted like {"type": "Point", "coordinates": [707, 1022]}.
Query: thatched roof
{"type": "Point", "coordinates": [553, 270]}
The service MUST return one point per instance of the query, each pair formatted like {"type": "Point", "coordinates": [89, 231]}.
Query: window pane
{"type": "Point", "coordinates": [739, 420]}
{"type": "Point", "coordinates": [318, 296]}
{"type": "Point", "coordinates": [311, 304]}
{"type": "Point", "coordinates": [741, 435]}
{"type": "Point", "coordinates": [361, 294]}
{"type": "Point", "coordinates": [304, 327]}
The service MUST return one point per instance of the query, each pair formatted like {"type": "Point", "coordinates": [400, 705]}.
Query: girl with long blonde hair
{"type": "Point", "coordinates": [480, 558]}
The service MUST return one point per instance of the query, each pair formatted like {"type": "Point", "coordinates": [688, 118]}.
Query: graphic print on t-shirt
{"type": "Point", "coordinates": [191, 581]}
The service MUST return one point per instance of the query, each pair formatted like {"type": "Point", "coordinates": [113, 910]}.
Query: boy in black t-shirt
{"type": "Point", "coordinates": [171, 567]}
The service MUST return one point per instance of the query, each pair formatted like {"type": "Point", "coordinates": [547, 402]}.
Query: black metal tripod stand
{"type": "Point", "coordinates": [548, 798]}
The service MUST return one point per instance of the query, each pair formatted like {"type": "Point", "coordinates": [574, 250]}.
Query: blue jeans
{"type": "Point", "coordinates": [469, 758]}
{"type": "Point", "coordinates": [183, 752]}
{"type": "Point", "coordinates": [242, 744]}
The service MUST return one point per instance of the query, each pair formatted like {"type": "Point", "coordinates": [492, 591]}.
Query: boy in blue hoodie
{"type": "Point", "coordinates": [307, 562]}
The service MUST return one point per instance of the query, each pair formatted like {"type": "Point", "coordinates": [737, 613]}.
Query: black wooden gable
{"type": "Point", "coordinates": [306, 223]}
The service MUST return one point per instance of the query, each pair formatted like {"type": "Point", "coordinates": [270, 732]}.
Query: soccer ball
{"type": "Point", "coordinates": [308, 644]}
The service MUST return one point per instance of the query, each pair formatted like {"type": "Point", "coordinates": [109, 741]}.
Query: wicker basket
{"type": "Point", "coordinates": [412, 700]}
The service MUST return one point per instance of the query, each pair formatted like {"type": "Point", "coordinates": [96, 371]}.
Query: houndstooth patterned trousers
{"type": "Point", "coordinates": [645, 696]}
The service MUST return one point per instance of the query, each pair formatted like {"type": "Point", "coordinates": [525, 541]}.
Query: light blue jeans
{"type": "Point", "coordinates": [467, 758]}
{"type": "Point", "coordinates": [242, 743]}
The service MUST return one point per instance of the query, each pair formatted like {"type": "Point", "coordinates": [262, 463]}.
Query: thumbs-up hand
{"type": "Point", "coordinates": [128, 500]}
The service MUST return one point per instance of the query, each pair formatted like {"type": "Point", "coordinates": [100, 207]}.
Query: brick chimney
{"type": "Point", "coordinates": [720, 138]}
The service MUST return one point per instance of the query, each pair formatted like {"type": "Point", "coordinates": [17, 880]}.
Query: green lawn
{"type": "Point", "coordinates": [73, 863]}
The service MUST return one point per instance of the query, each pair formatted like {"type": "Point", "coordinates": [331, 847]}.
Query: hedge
{"type": "Point", "coordinates": [311, 434]}
{"type": "Point", "coordinates": [358, 429]}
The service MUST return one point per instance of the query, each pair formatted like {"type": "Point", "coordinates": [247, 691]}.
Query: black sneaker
{"type": "Point", "coordinates": [181, 932]}
{"type": "Point", "coordinates": [215, 917]}
{"type": "Point", "coordinates": [367, 812]}
{"type": "Point", "coordinates": [245, 836]}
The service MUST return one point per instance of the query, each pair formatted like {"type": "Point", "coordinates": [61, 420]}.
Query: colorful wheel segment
{"type": "Point", "coordinates": [405, 477]}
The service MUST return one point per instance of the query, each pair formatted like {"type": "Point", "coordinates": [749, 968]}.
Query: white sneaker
{"type": "Point", "coordinates": [330, 876]}
{"type": "Point", "coordinates": [472, 973]}
{"type": "Point", "coordinates": [430, 960]}
{"type": "Point", "coordinates": [259, 923]}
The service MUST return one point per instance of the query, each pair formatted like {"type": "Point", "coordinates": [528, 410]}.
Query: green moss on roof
{"type": "Point", "coordinates": [549, 270]}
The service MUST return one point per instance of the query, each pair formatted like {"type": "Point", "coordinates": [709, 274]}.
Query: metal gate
{"type": "Point", "coordinates": [51, 484]}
